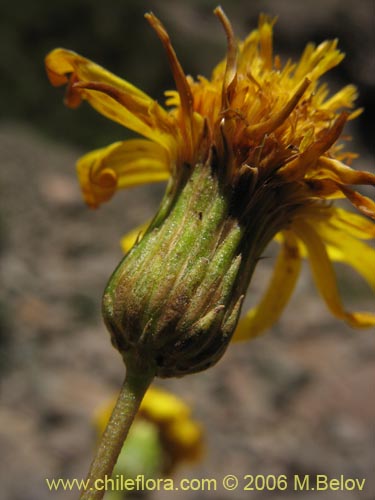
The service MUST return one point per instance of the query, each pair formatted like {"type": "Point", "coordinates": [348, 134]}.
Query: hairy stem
{"type": "Point", "coordinates": [137, 380]}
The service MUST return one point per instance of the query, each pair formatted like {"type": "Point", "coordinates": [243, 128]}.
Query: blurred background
{"type": "Point", "coordinates": [298, 400]}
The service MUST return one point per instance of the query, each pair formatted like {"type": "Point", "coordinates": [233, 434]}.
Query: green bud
{"type": "Point", "coordinates": [176, 297]}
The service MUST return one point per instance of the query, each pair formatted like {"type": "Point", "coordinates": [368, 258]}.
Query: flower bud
{"type": "Point", "coordinates": [176, 296]}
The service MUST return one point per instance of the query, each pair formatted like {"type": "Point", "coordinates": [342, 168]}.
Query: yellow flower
{"type": "Point", "coordinates": [268, 130]}
{"type": "Point", "coordinates": [179, 436]}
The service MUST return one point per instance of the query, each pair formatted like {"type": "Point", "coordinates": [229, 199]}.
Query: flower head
{"type": "Point", "coordinates": [267, 132]}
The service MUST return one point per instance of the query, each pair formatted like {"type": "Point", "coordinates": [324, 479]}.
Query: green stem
{"type": "Point", "coordinates": [137, 380]}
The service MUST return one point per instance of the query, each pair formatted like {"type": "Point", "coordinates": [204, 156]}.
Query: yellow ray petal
{"type": "Point", "coordinates": [110, 95]}
{"type": "Point", "coordinates": [340, 219]}
{"type": "Point", "coordinates": [355, 254]}
{"type": "Point", "coordinates": [324, 276]}
{"type": "Point", "coordinates": [277, 295]}
{"type": "Point", "coordinates": [230, 74]}
{"type": "Point", "coordinates": [186, 437]}
{"type": "Point", "coordinates": [341, 231]}
{"type": "Point", "coordinates": [60, 63]}
{"type": "Point", "coordinates": [344, 98]}
{"type": "Point", "coordinates": [329, 168]}
{"type": "Point", "coordinates": [354, 224]}
{"type": "Point", "coordinates": [120, 165]}
{"type": "Point", "coordinates": [316, 61]}
{"type": "Point", "coordinates": [133, 236]}
{"type": "Point", "coordinates": [141, 115]}
{"type": "Point", "coordinates": [362, 203]}
{"type": "Point", "coordinates": [182, 84]}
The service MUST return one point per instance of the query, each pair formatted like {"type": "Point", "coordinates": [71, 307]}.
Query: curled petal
{"type": "Point", "coordinates": [277, 295]}
{"type": "Point", "coordinates": [324, 276]}
{"type": "Point", "coordinates": [62, 63]}
{"type": "Point", "coordinates": [182, 84]}
{"type": "Point", "coordinates": [329, 168]}
{"type": "Point", "coordinates": [362, 203]}
{"type": "Point", "coordinates": [105, 91]}
{"type": "Point", "coordinates": [230, 74]}
{"type": "Point", "coordinates": [120, 165]}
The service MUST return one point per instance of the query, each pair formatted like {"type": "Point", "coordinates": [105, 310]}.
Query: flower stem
{"type": "Point", "coordinates": [137, 380]}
